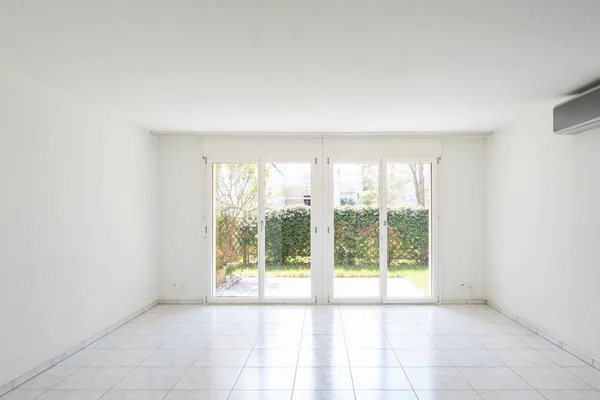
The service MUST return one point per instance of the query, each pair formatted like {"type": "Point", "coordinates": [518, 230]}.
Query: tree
{"type": "Point", "coordinates": [236, 190]}
{"type": "Point", "coordinates": [370, 184]}
{"type": "Point", "coordinates": [418, 182]}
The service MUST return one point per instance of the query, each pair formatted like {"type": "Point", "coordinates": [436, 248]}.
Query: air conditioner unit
{"type": "Point", "coordinates": [581, 113]}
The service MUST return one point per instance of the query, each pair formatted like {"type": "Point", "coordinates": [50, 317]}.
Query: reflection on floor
{"type": "Point", "coordinates": [318, 352]}
{"type": "Point", "coordinates": [343, 288]}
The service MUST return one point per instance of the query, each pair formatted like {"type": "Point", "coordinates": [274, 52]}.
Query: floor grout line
{"type": "Point", "coordinates": [299, 350]}
{"type": "Point", "coordinates": [249, 354]}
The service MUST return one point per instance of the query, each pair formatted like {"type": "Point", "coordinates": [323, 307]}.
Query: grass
{"type": "Point", "coordinates": [417, 274]}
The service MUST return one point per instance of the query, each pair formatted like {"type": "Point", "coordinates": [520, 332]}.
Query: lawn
{"type": "Point", "coordinates": [417, 274]}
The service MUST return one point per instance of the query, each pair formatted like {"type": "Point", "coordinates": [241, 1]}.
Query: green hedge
{"type": "Point", "coordinates": [356, 236]}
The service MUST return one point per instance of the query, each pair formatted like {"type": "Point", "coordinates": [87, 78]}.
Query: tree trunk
{"type": "Point", "coordinates": [417, 173]}
{"type": "Point", "coordinates": [246, 254]}
{"type": "Point", "coordinates": [421, 184]}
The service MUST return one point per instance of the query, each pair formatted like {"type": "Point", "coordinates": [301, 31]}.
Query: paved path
{"type": "Point", "coordinates": [343, 287]}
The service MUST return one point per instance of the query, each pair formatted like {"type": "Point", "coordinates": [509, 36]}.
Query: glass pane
{"type": "Point", "coordinates": [408, 213]}
{"type": "Point", "coordinates": [287, 230]}
{"type": "Point", "coordinates": [356, 230]}
{"type": "Point", "coordinates": [236, 229]}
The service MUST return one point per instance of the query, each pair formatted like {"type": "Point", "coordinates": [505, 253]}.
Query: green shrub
{"type": "Point", "coordinates": [356, 242]}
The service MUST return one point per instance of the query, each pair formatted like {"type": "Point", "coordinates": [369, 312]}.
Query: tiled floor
{"type": "Point", "coordinates": [318, 353]}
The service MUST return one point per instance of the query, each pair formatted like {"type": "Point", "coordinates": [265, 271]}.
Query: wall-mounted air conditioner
{"type": "Point", "coordinates": [581, 113]}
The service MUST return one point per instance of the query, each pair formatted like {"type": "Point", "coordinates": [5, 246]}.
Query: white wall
{"type": "Point", "coordinates": [183, 182]}
{"type": "Point", "coordinates": [77, 222]}
{"type": "Point", "coordinates": [182, 239]}
{"type": "Point", "coordinates": [544, 215]}
{"type": "Point", "coordinates": [463, 210]}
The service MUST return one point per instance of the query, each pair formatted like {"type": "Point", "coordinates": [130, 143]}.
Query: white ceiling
{"type": "Point", "coordinates": [306, 65]}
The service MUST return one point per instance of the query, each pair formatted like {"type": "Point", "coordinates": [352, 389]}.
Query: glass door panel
{"type": "Point", "coordinates": [408, 235]}
{"type": "Point", "coordinates": [288, 230]}
{"type": "Point", "coordinates": [356, 230]}
{"type": "Point", "coordinates": [235, 223]}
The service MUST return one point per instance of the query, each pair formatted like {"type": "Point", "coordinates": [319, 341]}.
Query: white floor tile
{"type": "Point", "coordinates": [493, 378]}
{"type": "Point", "coordinates": [436, 378]}
{"type": "Point", "coordinates": [447, 395]}
{"type": "Point", "coordinates": [536, 342]}
{"type": "Point", "coordinates": [282, 328]}
{"type": "Point", "coordinates": [233, 342]}
{"type": "Point", "coordinates": [172, 358]}
{"type": "Point", "coordinates": [412, 342]}
{"type": "Point", "coordinates": [323, 395]}
{"type": "Point", "coordinates": [188, 342]}
{"type": "Point", "coordinates": [316, 328]}
{"type": "Point", "coordinates": [510, 395]}
{"type": "Point", "coordinates": [336, 357]}
{"type": "Point", "coordinates": [589, 375]}
{"type": "Point", "coordinates": [484, 328]}
{"type": "Point", "coordinates": [82, 358]}
{"type": "Point", "coordinates": [375, 341]}
{"type": "Point", "coordinates": [213, 378]}
{"type": "Point", "coordinates": [373, 358]}
{"type": "Point", "coordinates": [423, 358]}
{"type": "Point", "coordinates": [122, 358]}
{"type": "Point", "coordinates": [260, 395]}
{"type": "Point", "coordinates": [197, 395]}
{"type": "Point", "coordinates": [501, 342]}
{"type": "Point", "coordinates": [562, 358]}
{"type": "Point", "coordinates": [23, 394]}
{"type": "Point", "coordinates": [143, 342]}
{"type": "Point", "coordinates": [155, 328]}
{"type": "Point", "coordinates": [72, 395]}
{"type": "Point", "coordinates": [222, 358]}
{"type": "Point", "coordinates": [49, 378]}
{"type": "Point", "coordinates": [109, 341]}
{"type": "Point", "coordinates": [524, 358]}
{"type": "Point", "coordinates": [266, 378]}
{"type": "Point", "coordinates": [273, 358]}
{"type": "Point", "coordinates": [323, 378]}
{"type": "Point", "coordinates": [241, 328]}
{"type": "Point", "coordinates": [473, 358]}
{"type": "Point", "coordinates": [444, 328]}
{"type": "Point", "coordinates": [516, 329]}
{"type": "Point", "coordinates": [95, 378]}
{"type": "Point", "coordinates": [403, 328]}
{"type": "Point", "coordinates": [318, 353]}
{"type": "Point", "coordinates": [323, 341]}
{"type": "Point", "coordinates": [380, 378]}
{"type": "Point", "coordinates": [571, 394]}
{"type": "Point", "coordinates": [135, 395]}
{"type": "Point", "coordinates": [201, 328]}
{"type": "Point", "coordinates": [152, 378]}
{"type": "Point", "coordinates": [385, 395]}
{"type": "Point", "coordinates": [456, 342]}
{"type": "Point", "coordinates": [550, 378]}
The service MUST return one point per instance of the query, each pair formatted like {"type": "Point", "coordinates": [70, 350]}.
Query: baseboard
{"type": "Point", "coordinates": [443, 301]}
{"type": "Point", "coordinates": [549, 336]}
{"type": "Point", "coordinates": [463, 301]}
{"type": "Point", "coordinates": [74, 349]}
{"type": "Point", "coordinates": [179, 301]}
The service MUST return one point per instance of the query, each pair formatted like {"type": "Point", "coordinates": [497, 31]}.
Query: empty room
{"type": "Point", "coordinates": [299, 200]}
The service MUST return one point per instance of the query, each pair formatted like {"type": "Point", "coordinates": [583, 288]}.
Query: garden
{"type": "Point", "coordinates": [356, 243]}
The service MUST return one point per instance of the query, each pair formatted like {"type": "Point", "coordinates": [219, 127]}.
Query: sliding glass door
{"type": "Point", "coordinates": [407, 237]}
{"type": "Point", "coordinates": [356, 233]}
{"type": "Point", "coordinates": [263, 231]}
{"type": "Point", "coordinates": [294, 230]}
{"type": "Point", "coordinates": [235, 220]}
{"type": "Point", "coordinates": [379, 231]}
{"type": "Point", "coordinates": [288, 214]}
